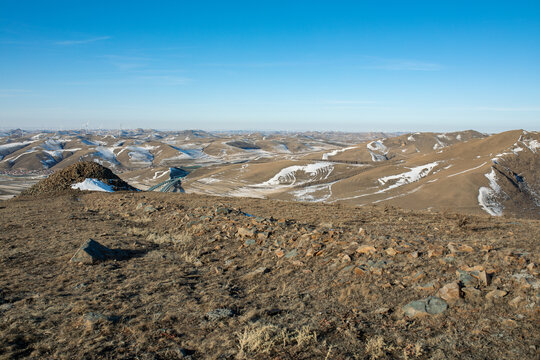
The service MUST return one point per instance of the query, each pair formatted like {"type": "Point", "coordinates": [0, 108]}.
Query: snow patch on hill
{"type": "Point", "coordinates": [335, 152]}
{"type": "Point", "coordinates": [6, 149]}
{"type": "Point", "coordinates": [377, 146]}
{"type": "Point", "coordinates": [106, 153]}
{"type": "Point", "coordinates": [532, 145]}
{"type": "Point", "coordinates": [288, 174]}
{"type": "Point", "coordinates": [314, 193]}
{"type": "Point", "coordinates": [140, 154]}
{"type": "Point", "coordinates": [282, 148]}
{"type": "Point", "coordinates": [487, 196]}
{"type": "Point", "coordinates": [414, 174]}
{"type": "Point", "coordinates": [92, 185]}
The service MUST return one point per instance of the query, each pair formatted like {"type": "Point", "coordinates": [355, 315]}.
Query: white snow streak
{"type": "Point", "coordinates": [92, 185]}
{"type": "Point", "coordinates": [487, 196]}
{"type": "Point", "coordinates": [471, 169]}
{"type": "Point", "coordinates": [288, 174]}
{"type": "Point", "coordinates": [335, 152]}
{"type": "Point", "coordinates": [414, 174]}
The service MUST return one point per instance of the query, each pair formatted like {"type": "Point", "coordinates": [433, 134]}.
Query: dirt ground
{"type": "Point", "coordinates": [231, 278]}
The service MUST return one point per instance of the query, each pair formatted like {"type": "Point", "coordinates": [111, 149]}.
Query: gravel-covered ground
{"type": "Point", "coordinates": [220, 278]}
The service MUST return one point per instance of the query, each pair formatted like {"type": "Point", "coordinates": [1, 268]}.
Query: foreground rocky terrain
{"type": "Point", "coordinates": [201, 277]}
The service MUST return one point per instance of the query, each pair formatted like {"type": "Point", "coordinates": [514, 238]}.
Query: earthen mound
{"type": "Point", "coordinates": [62, 180]}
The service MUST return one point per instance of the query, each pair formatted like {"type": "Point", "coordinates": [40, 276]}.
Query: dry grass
{"type": "Point", "coordinates": [377, 348]}
{"type": "Point", "coordinates": [266, 338]}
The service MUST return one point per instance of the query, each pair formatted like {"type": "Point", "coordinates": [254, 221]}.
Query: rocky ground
{"type": "Point", "coordinates": [203, 277]}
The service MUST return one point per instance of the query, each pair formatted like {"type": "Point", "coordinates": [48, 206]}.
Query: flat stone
{"type": "Point", "coordinates": [429, 306]}
{"type": "Point", "coordinates": [223, 210]}
{"type": "Point", "coordinates": [263, 235]}
{"type": "Point", "coordinates": [291, 254]}
{"type": "Point", "coordinates": [496, 294]}
{"type": "Point", "coordinates": [438, 251]}
{"type": "Point", "coordinates": [450, 292]}
{"type": "Point", "coordinates": [219, 314]}
{"type": "Point", "coordinates": [279, 253]}
{"type": "Point", "coordinates": [92, 252]}
{"type": "Point", "coordinates": [435, 305]}
{"type": "Point", "coordinates": [482, 276]}
{"type": "Point", "coordinates": [415, 308]}
{"type": "Point", "coordinates": [465, 278]}
{"type": "Point", "coordinates": [366, 249]}
{"type": "Point", "coordinates": [516, 302]}
{"type": "Point", "coordinates": [244, 232]}
{"type": "Point", "coordinates": [430, 286]}
{"type": "Point", "coordinates": [359, 271]}
{"type": "Point", "coordinates": [471, 292]}
{"type": "Point", "coordinates": [419, 275]}
{"type": "Point", "coordinates": [5, 307]}
{"type": "Point", "coordinates": [249, 242]}
{"type": "Point", "coordinates": [149, 209]}
{"type": "Point", "coordinates": [391, 251]}
{"type": "Point", "coordinates": [466, 248]}
{"type": "Point", "coordinates": [258, 271]}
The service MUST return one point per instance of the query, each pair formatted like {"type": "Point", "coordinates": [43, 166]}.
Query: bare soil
{"type": "Point", "coordinates": [233, 278]}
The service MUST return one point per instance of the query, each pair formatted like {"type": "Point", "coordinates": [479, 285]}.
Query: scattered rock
{"type": "Point", "coordinates": [391, 252]}
{"type": "Point", "coordinates": [496, 294]}
{"type": "Point", "coordinates": [244, 232]}
{"type": "Point", "coordinates": [429, 306]}
{"type": "Point", "coordinates": [92, 318]}
{"type": "Point", "coordinates": [532, 268]}
{"type": "Point", "coordinates": [471, 293]}
{"type": "Point", "coordinates": [291, 254]}
{"type": "Point", "coordinates": [509, 323]}
{"type": "Point", "coordinates": [435, 252]}
{"type": "Point", "coordinates": [92, 252]}
{"type": "Point", "coordinates": [263, 235]}
{"type": "Point", "coordinates": [516, 302]}
{"type": "Point", "coordinates": [450, 292]}
{"type": "Point", "coordinates": [5, 307]}
{"type": "Point", "coordinates": [430, 286]}
{"type": "Point", "coordinates": [366, 249]}
{"type": "Point", "coordinates": [465, 278]}
{"type": "Point", "coordinates": [149, 209]}
{"type": "Point", "coordinates": [419, 275]}
{"type": "Point", "coordinates": [360, 271]}
{"type": "Point", "coordinates": [482, 276]}
{"type": "Point", "coordinates": [219, 314]}
{"type": "Point", "coordinates": [259, 270]}
{"type": "Point", "coordinates": [382, 310]}
{"type": "Point", "coordinates": [466, 248]}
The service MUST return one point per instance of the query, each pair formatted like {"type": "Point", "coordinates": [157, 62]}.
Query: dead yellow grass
{"type": "Point", "coordinates": [265, 338]}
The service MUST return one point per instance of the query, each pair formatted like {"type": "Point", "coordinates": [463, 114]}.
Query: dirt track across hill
{"type": "Point", "coordinates": [222, 278]}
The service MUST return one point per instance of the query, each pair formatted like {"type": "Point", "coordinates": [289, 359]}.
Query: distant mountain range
{"type": "Point", "coordinates": [463, 171]}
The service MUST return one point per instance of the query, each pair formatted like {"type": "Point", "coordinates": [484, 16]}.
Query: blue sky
{"type": "Point", "coordinates": [271, 65]}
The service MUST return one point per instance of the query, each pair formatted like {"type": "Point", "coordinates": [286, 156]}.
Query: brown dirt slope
{"type": "Point", "coordinates": [63, 179]}
{"type": "Point", "coordinates": [233, 278]}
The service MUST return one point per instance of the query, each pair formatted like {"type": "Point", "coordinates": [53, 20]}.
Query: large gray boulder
{"type": "Point", "coordinates": [92, 252]}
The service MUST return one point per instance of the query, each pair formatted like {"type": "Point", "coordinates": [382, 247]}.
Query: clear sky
{"type": "Point", "coordinates": [281, 65]}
